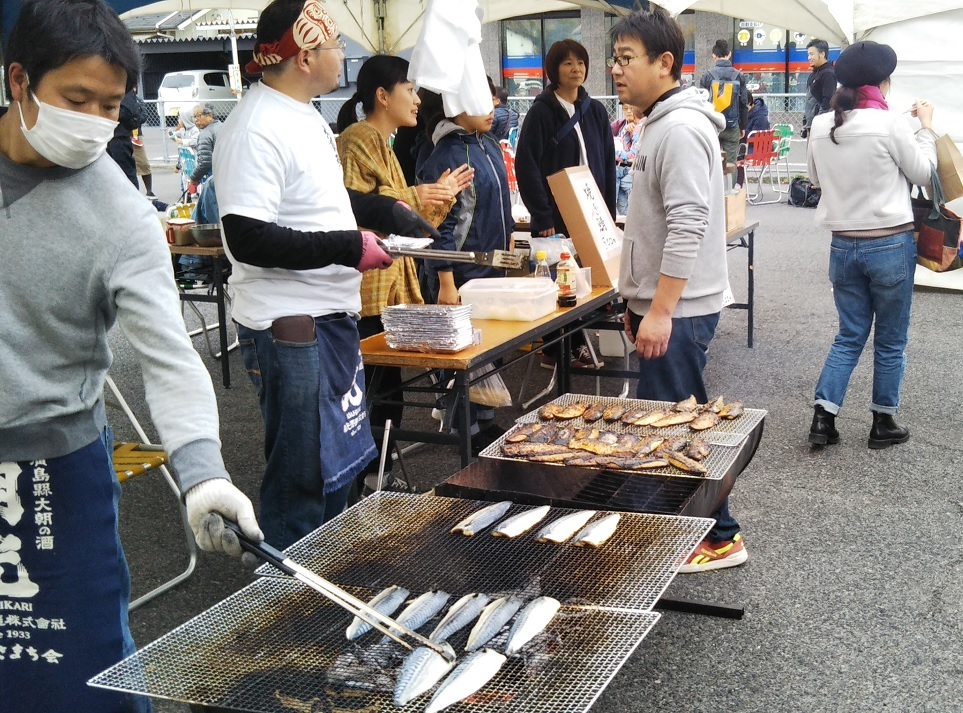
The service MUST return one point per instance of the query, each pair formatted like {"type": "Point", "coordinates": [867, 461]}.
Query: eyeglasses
{"type": "Point", "coordinates": [620, 60]}
{"type": "Point", "coordinates": [340, 46]}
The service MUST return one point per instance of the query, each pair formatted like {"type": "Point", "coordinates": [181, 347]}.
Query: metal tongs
{"type": "Point", "coordinates": [385, 624]}
{"type": "Point", "coordinates": [502, 259]}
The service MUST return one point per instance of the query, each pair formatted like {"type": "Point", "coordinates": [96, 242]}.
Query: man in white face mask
{"type": "Point", "coordinates": [80, 250]}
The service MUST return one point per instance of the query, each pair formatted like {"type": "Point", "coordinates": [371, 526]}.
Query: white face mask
{"type": "Point", "coordinates": [67, 138]}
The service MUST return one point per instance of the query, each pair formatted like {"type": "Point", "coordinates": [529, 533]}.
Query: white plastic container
{"type": "Point", "coordinates": [513, 299]}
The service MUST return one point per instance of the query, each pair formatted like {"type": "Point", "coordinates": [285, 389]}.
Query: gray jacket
{"type": "Point", "coordinates": [205, 151]}
{"type": "Point", "coordinates": [676, 225]}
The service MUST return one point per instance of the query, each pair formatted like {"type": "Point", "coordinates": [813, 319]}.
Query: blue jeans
{"type": "Point", "coordinates": [677, 375]}
{"type": "Point", "coordinates": [872, 281]}
{"type": "Point", "coordinates": [623, 184]}
{"type": "Point", "coordinates": [288, 378]}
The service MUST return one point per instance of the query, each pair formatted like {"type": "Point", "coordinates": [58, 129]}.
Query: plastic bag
{"type": "Point", "coordinates": [553, 247]}
{"type": "Point", "coordinates": [491, 392]}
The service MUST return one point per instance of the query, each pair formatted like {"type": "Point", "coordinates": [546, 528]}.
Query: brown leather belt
{"type": "Point", "coordinates": [296, 329]}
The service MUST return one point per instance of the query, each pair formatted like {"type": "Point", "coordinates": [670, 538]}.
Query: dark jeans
{"type": "Point", "coordinates": [677, 375]}
{"type": "Point", "coordinates": [287, 377]}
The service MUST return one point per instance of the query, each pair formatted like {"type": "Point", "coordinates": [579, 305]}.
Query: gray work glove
{"type": "Point", "coordinates": [207, 504]}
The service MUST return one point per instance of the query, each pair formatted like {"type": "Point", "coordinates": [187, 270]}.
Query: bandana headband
{"type": "Point", "coordinates": [312, 29]}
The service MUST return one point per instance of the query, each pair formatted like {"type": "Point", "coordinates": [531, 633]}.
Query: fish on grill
{"type": "Point", "coordinates": [563, 435]}
{"type": "Point", "coordinates": [460, 615]}
{"type": "Point", "coordinates": [632, 463]}
{"type": "Point", "coordinates": [479, 520]}
{"type": "Point", "coordinates": [573, 410]}
{"type": "Point", "coordinates": [731, 410]}
{"type": "Point", "coordinates": [646, 418]}
{"type": "Point", "coordinates": [609, 437]}
{"type": "Point", "coordinates": [597, 533]}
{"type": "Point", "coordinates": [676, 443]}
{"type": "Point", "coordinates": [689, 404]}
{"type": "Point", "coordinates": [492, 619]}
{"type": "Point", "coordinates": [585, 460]}
{"type": "Point", "coordinates": [676, 418]}
{"type": "Point", "coordinates": [563, 456]}
{"type": "Point", "coordinates": [592, 445]}
{"type": "Point", "coordinates": [684, 463]}
{"type": "Point", "coordinates": [528, 450]}
{"type": "Point", "coordinates": [530, 622]}
{"type": "Point", "coordinates": [593, 413]}
{"type": "Point", "coordinates": [704, 421]}
{"type": "Point", "coordinates": [384, 602]}
{"type": "Point", "coordinates": [523, 432]}
{"type": "Point", "coordinates": [469, 676]}
{"type": "Point", "coordinates": [628, 443]}
{"type": "Point", "coordinates": [419, 673]}
{"type": "Point", "coordinates": [649, 444]}
{"type": "Point", "coordinates": [544, 435]}
{"type": "Point", "coordinates": [548, 411]}
{"type": "Point", "coordinates": [715, 405]}
{"type": "Point", "coordinates": [522, 522]}
{"type": "Point", "coordinates": [697, 449]}
{"type": "Point", "coordinates": [613, 413]}
{"type": "Point", "coordinates": [562, 529]}
{"type": "Point", "coordinates": [420, 611]}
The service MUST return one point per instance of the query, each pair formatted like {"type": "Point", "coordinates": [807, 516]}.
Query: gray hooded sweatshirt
{"type": "Point", "coordinates": [675, 225]}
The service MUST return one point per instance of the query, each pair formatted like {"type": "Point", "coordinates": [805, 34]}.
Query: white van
{"type": "Point", "coordinates": [186, 89]}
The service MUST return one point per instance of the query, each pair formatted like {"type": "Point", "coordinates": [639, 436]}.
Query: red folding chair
{"type": "Point", "coordinates": [761, 155]}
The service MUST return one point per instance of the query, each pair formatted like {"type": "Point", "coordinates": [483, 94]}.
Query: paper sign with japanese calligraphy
{"type": "Point", "coordinates": [589, 223]}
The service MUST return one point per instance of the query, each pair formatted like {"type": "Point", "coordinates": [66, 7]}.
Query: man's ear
{"type": "Point", "coordinates": [18, 81]}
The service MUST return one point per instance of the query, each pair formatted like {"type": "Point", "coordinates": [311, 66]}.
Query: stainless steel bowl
{"type": "Point", "coordinates": [207, 235]}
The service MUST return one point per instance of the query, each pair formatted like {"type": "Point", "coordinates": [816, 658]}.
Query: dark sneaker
{"type": "Point", "coordinates": [582, 359]}
{"type": "Point", "coordinates": [716, 555]}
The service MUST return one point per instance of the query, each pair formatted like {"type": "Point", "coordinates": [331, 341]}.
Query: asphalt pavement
{"type": "Point", "coordinates": [854, 583]}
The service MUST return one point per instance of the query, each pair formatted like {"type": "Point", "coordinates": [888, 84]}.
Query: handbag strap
{"type": "Point", "coordinates": [937, 193]}
{"type": "Point", "coordinates": [570, 124]}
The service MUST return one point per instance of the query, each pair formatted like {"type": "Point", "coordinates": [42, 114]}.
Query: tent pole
{"type": "Point", "coordinates": [380, 8]}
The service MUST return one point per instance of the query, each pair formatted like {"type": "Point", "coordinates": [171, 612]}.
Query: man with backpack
{"type": "Point", "coordinates": [727, 92]}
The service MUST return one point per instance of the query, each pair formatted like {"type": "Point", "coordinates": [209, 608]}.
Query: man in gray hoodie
{"type": "Point", "coordinates": [673, 271]}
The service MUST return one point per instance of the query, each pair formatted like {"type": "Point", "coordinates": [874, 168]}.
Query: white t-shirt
{"type": "Point", "coordinates": [276, 161]}
{"type": "Point", "coordinates": [570, 109]}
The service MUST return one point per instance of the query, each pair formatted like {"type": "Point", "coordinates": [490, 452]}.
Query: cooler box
{"type": "Point", "coordinates": [513, 299]}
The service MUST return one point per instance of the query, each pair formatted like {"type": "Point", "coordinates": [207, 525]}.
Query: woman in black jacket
{"type": "Point", "coordinates": [545, 148]}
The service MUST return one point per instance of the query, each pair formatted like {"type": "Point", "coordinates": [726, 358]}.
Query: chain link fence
{"type": "Point", "coordinates": [163, 117]}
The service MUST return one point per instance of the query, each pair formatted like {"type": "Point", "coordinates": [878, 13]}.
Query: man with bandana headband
{"type": "Point", "coordinates": [292, 236]}
{"type": "Point", "coordinates": [80, 249]}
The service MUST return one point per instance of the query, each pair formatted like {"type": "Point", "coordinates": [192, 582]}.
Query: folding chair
{"type": "Point", "coordinates": [134, 459]}
{"type": "Point", "coordinates": [760, 154]}
{"type": "Point", "coordinates": [513, 137]}
{"type": "Point", "coordinates": [783, 134]}
{"type": "Point", "coordinates": [508, 155]}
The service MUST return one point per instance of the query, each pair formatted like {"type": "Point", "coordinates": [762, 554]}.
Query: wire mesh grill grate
{"type": "Point", "coordinates": [725, 439]}
{"type": "Point", "coordinates": [277, 646]}
{"type": "Point", "coordinates": [397, 538]}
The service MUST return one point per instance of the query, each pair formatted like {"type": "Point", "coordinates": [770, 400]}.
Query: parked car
{"type": "Point", "coordinates": [186, 89]}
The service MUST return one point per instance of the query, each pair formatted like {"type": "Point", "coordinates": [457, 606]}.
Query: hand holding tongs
{"type": "Point", "coordinates": [502, 259]}
{"type": "Point", "coordinates": [385, 624]}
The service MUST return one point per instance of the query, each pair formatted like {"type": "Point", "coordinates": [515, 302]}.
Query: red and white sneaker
{"type": "Point", "coordinates": [716, 555]}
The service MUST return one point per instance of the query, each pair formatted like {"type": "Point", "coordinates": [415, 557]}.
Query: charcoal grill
{"type": "Point", "coordinates": [725, 439]}
{"type": "Point", "coordinates": [278, 646]}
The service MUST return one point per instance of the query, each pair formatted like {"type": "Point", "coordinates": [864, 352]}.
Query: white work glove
{"type": "Point", "coordinates": [207, 504]}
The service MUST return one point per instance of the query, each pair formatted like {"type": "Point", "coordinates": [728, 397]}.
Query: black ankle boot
{"type": "Point", "coordinates": [823, 431]}
{"type": "Point", "coordinates": [886, 432]}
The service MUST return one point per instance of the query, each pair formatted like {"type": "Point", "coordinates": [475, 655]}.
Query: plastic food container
{"type": "Point", "coordinates": [513, 299]}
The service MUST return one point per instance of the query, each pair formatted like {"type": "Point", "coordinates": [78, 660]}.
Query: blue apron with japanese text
{"type": "Point", "coordinates": [346, 442]}
{"type": "Point", "coordinates": [64, 585]}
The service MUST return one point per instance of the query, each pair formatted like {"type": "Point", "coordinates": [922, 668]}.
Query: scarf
{"type": "Point", "coordinates": [870, 97]}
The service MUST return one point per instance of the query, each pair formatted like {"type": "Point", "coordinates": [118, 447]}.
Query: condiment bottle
{"type": "Point", "coordinates": [541, 265]}
{"type": "Point", "coordinates": [565, 280]}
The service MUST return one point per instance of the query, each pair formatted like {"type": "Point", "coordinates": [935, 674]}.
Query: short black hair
{"type": "Point", "coordinates": [720, 49]}
{"type": "Point", "coordinates": [820, 45]}
{"type": "Point", "coordinates": [50, 33]}
{"type": "Point", "coordinates": [501, 94]}
{"type": "Point", "coordinates": [557, 54]}
{"type": "Point", "coordinates": [657, 31]}
{"type": "Point", "coordinates": [276, 19]}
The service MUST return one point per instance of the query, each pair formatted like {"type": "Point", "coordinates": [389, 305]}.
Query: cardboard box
{"type": "Point", "coordinates": [735, 209]}
{"type": "Point", "coordinates": [590, 226]}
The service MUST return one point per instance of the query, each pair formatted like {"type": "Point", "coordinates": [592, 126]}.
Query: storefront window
{"type": "Point", "coordinates": [525, 42]}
